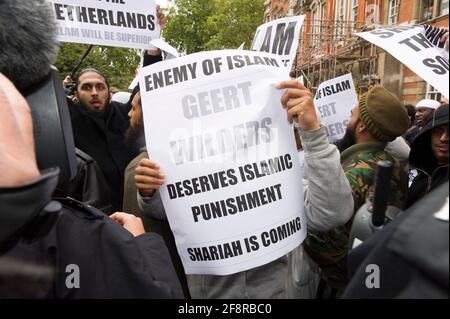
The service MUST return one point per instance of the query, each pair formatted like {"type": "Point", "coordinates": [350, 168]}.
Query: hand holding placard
{"type": "Point", "coordinates": [148, 177]}
{"type": "Point", "coordinates": [298, 101]}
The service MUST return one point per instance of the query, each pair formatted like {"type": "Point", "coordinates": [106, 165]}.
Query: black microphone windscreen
{"type": "Point", "coordinates": [28, 43]}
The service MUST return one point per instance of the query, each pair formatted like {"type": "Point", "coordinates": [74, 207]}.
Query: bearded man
{"type": "Point", "coordinates": [379, 118]}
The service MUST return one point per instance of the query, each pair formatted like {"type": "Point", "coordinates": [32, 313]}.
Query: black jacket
{"type": "Point", "coordinates": [430, 173]}
{"type": "Point", "coordinates": [60, 234]}
{"type": "Point", "coordinates": [412, 255]}
{"type": "Point", "coordinates": [102, 137]}
{"type": "Point", "coordinates": [89, 185]}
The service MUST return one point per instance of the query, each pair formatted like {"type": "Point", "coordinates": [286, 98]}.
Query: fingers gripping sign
{"type": "Point", "coordinates": [161, 17]}
{"type": "Point", "coordinates": [298, 102]}
{"type": "Point", "coordinates": [148, 177]}
{"type": "Point", "coordinates": [162, 23]}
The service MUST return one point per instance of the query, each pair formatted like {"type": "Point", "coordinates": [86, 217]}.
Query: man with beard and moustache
{"type": "Point", "coordinates": [398, 148]}
{"type": "Point", "coordinates": [423, 111]}
{"type": "Point", "coordinates": [429, 156]}
{"type": "Point", "coordinates": [379, 118]}
{"type": "Point", "coordinates": [150, 209]}
{"type": "Point", "coordinates": [98, 127]}
{"type": "Point", "coordinates": [99, 124]}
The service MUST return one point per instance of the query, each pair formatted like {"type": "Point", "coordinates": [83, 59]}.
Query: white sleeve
{"type": "Point", "coordinates": [327, 192]}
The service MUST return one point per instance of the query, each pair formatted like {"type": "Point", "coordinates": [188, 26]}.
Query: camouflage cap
{"type": "Point", "coordinates": [383, 114]}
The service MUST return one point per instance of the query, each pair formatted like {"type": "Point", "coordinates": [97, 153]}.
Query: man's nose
{"type": "Point", "coordinates": [444, 135]}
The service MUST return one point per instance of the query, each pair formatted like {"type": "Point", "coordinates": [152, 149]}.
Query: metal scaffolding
{"type": "Point", "coordinates": [329, 48]}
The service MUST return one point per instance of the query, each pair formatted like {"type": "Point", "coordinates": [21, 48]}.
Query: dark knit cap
{"type": "Point", "coordinates": [383, 114]}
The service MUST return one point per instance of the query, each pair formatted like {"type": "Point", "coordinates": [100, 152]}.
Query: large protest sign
{"type": "Point", "coordinates": [232, 192]}
{"type": "Point", "coordinates": [410, 46]}
{"type": "Point", "coordinates": [170, 53]}
{"type": "Point", "coordinates": [279, 37]}
{"type": "Point", "coordinates": [121, 23]}
{"type": "Point", "coordinates": [334, 101]}
{"type": "Point", "coordinates": [434, 35]}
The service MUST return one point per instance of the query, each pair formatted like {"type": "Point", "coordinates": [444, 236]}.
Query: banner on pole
{"type": "Point", "coordinates": [280, 37]}
{"type": "Point", "coordinates": [334, 101]}
{"type": "Point", "coordinates": [410, 46]}
{"type": "Point", "coordinates": [129, 24]}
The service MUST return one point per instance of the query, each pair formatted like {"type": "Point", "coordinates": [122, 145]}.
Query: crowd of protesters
{"type": "Point", "coordinates": [133, 254]}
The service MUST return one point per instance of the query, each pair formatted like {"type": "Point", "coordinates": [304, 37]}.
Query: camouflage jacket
{"type": "Point", "coordinates": [329, 249]}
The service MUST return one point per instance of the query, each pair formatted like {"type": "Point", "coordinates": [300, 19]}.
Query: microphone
{"type": "Point", "coordinates": [27, 41]}
{"type": "Point", "coordinates": [28, 48]}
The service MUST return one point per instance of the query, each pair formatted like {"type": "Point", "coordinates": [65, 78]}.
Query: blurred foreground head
{"type": "Point", "coordinates": [27, 41]}
{"type": "Point", "coordinates": [28, 47]}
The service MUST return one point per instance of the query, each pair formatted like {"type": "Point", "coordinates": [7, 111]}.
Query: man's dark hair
{"type": "Point", "coordinates": [135, 91]}
{"type": "Point", "coordinates": [91, 70]}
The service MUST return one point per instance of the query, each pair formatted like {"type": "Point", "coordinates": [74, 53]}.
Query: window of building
{"type": "Point", "coordinates": [323, 10]}
{"type": "Point", "coordinates": [341, 17]}
{"type": "Point", "coordinates": [393, 11]}
{"type": "Point", "coordinates": [433, 94]}
{"type": "Point", "coordinates": [427, 10]}
{"type": "Point", "coordinates": [314, 12]}
{"type": "Point", "coordinates": [354, 14]}
{"type": "Point", "coordinates": [443, 7]}
{"type": "Point", "coordinates": [318, 15]}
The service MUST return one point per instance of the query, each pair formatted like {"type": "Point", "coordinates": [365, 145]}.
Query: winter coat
{"type": "Point", "coordinates": [429, 173]}
{"type": "Point", "coordinates": [410, 255]}
{"type": "Point", "coordinates": [102, 137]}
{"type": "Point", "coordinates": [91, 255]}
{"type": "Point", "coordinates": [153, 215]}
{"type": "Point", "coordinates": [329, 249]}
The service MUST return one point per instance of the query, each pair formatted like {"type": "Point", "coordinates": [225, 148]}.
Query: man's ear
{"type": "Point", "coordinates": [361, 127]}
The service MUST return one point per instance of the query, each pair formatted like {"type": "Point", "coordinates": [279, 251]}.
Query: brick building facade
{"type": "Point", "coordinates": [329, 48]}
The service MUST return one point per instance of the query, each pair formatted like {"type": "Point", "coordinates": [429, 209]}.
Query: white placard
{"type": "Point", "coordinates": [334, 102]}
{"type": "Point", "coordinates": [171, 52]}
{"type": "Point", "coordinates": [124, 23]}
{"type": "Point", "coordinates": [279, 37]}
{"type": "Point", "coordinates": [215, 124]}
{"type": "Point", "coordinates": [409, 45]}
{"type": "Point", "coordinates": [133, 83]}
